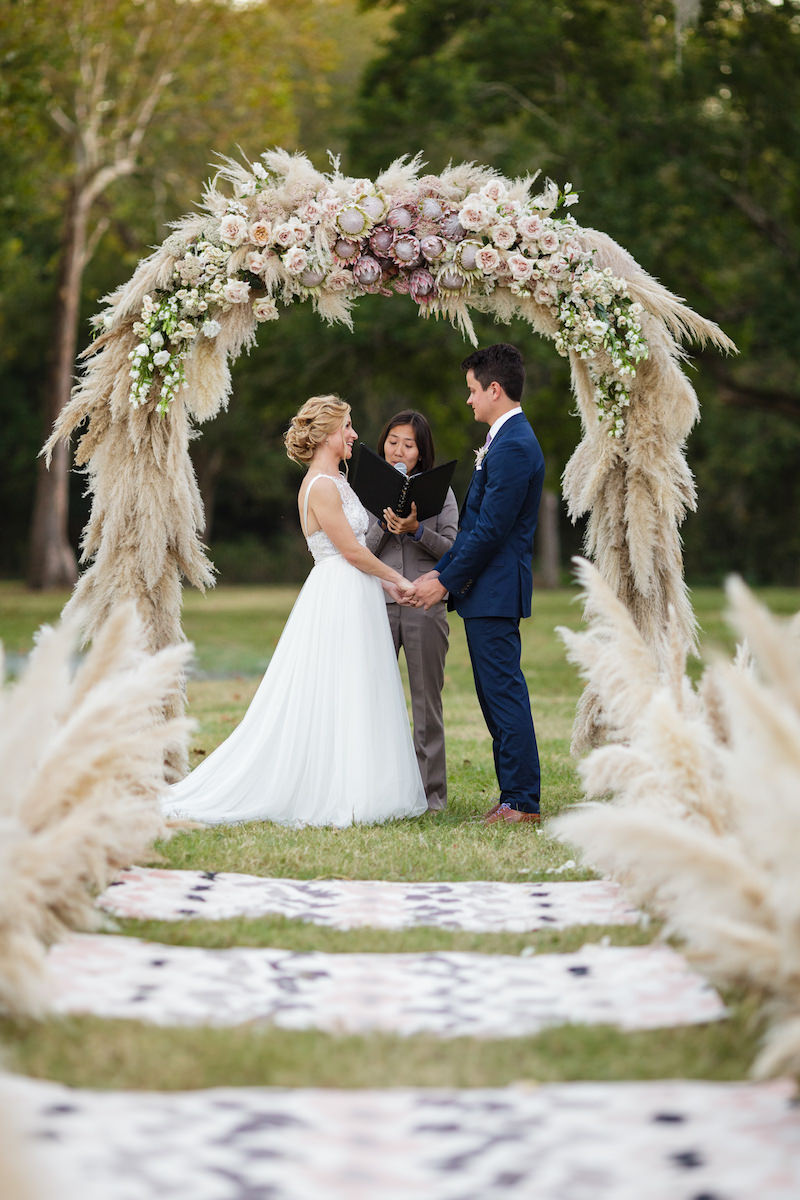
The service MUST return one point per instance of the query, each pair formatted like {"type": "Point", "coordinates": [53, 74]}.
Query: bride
{"type": "Point", "coordinates": [326, 739]}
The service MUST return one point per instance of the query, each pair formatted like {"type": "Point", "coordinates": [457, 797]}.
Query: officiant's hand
{"type": "Point", "coordinates": [396, 524]}
{"type": "Point", "coordinates": [428, 589]}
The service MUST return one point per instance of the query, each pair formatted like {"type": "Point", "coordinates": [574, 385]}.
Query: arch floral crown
{"type": "Point", "coordinates": [466, 239]}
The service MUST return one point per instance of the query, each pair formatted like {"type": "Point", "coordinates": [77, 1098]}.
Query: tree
{"type": "Point", "coordinates": [127, 100]}
{"type": "Point", "coordinates": [684, 141]}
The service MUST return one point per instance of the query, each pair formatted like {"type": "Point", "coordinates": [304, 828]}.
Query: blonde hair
{"type": "Point", "coordinates": [319, 417]}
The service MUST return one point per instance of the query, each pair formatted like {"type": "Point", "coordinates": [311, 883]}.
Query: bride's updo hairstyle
{"type": "Point", "coordinates": [317, 419]}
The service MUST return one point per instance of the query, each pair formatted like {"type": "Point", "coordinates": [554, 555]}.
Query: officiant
{"type": "Point", "coordinates": [414, 547]}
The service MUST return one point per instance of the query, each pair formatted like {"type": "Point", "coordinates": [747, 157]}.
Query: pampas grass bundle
{"type": "Point", "coordinates": [81, 773]}
{"type": "Point", "coordinates": [704, 822]}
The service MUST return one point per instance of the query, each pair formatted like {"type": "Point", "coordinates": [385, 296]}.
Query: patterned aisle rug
{"type": "Point", "coordinates": [474, 906]}
{"type": "Point", "coordinates": [445, 994]}
{"type": "Point", "coordinates": [580, 1141]}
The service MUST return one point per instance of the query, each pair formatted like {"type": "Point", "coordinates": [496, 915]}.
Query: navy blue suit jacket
{"type": "Point", "coordinates": [487, 571]}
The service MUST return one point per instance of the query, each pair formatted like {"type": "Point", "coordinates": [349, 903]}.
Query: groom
{"type": "Point", "coordinates": [487, 572]}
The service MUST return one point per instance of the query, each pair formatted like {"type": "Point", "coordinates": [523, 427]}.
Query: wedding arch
{"type": "Point", "coordinates": [277, 231]}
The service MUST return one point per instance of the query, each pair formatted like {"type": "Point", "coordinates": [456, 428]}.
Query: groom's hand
{"type": "Point", "coordinates": [428, 589]}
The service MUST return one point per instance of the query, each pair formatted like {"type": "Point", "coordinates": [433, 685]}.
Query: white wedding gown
{"type": "Point", "coordinates": [326, 739]}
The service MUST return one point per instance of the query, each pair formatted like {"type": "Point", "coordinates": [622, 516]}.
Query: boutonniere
{"type": "Point", "coordinates": [480, 454]}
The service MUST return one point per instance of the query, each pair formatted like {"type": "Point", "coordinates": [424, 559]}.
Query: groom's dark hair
{"type": "Point", "coordinates": [501, 364]}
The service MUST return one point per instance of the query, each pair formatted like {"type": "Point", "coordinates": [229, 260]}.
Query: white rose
{"type": "Point", "coordinates": [156, 340]}
{"type": "Point", "coordinates": [211, 328]}
{"type": "Point", "coordinates": [260, 232]}
{"type": "Point", "coordinates": [265, 309]}
{"type": "Point", "coordinates": [255, 262]}
{"type": "Point", "coordinates": [548, 240]}
{"type": "Point", "coordinates": [233, 229]}
{"type": "Point", "coordinates": [572, 250]}
{"type": "Point", "coordinates": [529, 226]}
{"type": "Point", "coordinates": [310, 212]}
{"type": "Point", "coordinates": [545, 293]}
{"type": "Point", "coordinates": [487, 259]}
{"type": "Point", "coordinates": [494, 191]}
{"type": "Point", "coordinates": [557, 267]}
{"type": "Point", "coordinates": [504, 235]}
{"type": "Point", "coordinates": [473, 214]}
{"type": "Point", "coordinates": [161, 358]}
{"type": "Point", "coordinates": [302, 232]}
{"type": "Point", "coordinates": [520, 267]}
{"type": "Point", "coordinates": [295, 260]}
{"type": "Point", "coordinates": [236, 291]}
{"type": "Point", "coordinates": [142, 350]}
{"type": "Point", "coordinates": [283, 235]}
{"type": "Point", "coordinates": [339, 280]}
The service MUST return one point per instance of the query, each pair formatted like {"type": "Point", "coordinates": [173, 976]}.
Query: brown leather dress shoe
{"type": "Point", "coordinates": [504, 814]}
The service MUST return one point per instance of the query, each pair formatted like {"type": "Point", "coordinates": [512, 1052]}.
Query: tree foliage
{"type": "Point", "coordinates": [685, 144]}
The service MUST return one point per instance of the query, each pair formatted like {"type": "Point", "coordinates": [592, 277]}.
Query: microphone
{"type": "Point", "coordinates": [401, 467]}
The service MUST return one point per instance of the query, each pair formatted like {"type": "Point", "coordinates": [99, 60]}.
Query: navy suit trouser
{"type": "Point", "coordinates": [494, 649]}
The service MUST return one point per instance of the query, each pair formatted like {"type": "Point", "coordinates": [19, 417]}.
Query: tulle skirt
{"type": "Point", "coordinates": [326, 739]}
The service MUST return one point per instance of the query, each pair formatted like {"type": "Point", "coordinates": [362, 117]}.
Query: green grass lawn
{"type": "Point", "coordinates": [234, 631]}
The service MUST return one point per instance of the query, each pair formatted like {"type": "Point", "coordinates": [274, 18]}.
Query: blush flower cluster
{"type": "Point", "coordinates": [348, 238]}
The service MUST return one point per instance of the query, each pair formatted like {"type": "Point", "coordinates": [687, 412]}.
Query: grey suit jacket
{"type": "Point", "coordinates": [412, 558]}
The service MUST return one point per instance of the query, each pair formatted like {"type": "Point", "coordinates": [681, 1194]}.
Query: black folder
{"type": "Point", "coordinates": [379, 485]}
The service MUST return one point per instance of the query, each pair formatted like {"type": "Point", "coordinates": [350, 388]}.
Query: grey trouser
{"type": "Point", "coordinates": [424, 638]}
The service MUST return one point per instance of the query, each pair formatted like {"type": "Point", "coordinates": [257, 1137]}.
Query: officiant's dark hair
{"type": "Point", "coordinates": [422, 434]}
{"type": "Point", "coordinates": [501, 364]}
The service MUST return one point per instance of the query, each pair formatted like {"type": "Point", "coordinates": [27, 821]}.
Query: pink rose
{"type": "Point", "coordinates": [265, 309]}
{"type": "Point", "coordinates": [295, 260]}
{"type": "Point", "coordinates": [504, 235]}
{"type": "Point", "coordinates": [473, 214]}
{"type": "Point", "coordinates": [556, 266]}
{"type": "Point", "coordinates": [302, 232]}
{"type": "Point", "coordinates": [545, 293]}
{"type": "Point", "coordinates": [310, 212]}
{"type": "Point", "coordinates": [255, 262]}
{"type": "Point", "coordinates": [572, 250]}
{"type": "Point", "coordinates": [233, 229]}
{"type": "Point", "coordinates": [549, 241]}
{"type": "Point", "coordinates": [260, 233]}
{"type": "Point", "coordinates": [487, 259]}
{"type": "Point", "coordinates": [520, 267]}
{"type": "Point", "coordinates": [283, 235]}
{"type": "Point", "coordinates": [236, 291]}
{"type": "Point", "coordinates": [529, 226]}
{"type": "Point", "coordinates": [338, 280]}
{"type": "Point", "coordinates": [494, 190]}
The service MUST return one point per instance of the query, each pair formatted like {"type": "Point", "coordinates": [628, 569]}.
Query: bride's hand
{"type": "Point", "coordinates": [408, 593]}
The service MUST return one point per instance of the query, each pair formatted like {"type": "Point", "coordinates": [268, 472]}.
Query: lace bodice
{"type": "Point", "coordinates": [319, 543]}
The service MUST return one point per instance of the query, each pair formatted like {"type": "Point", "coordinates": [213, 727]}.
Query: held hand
{"type": "Point", "coordinates": [396, 524]}
{"type": "Point", "coordinates": [428, 589]}
{"type": "Point", "coordinates": [408, 593]}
